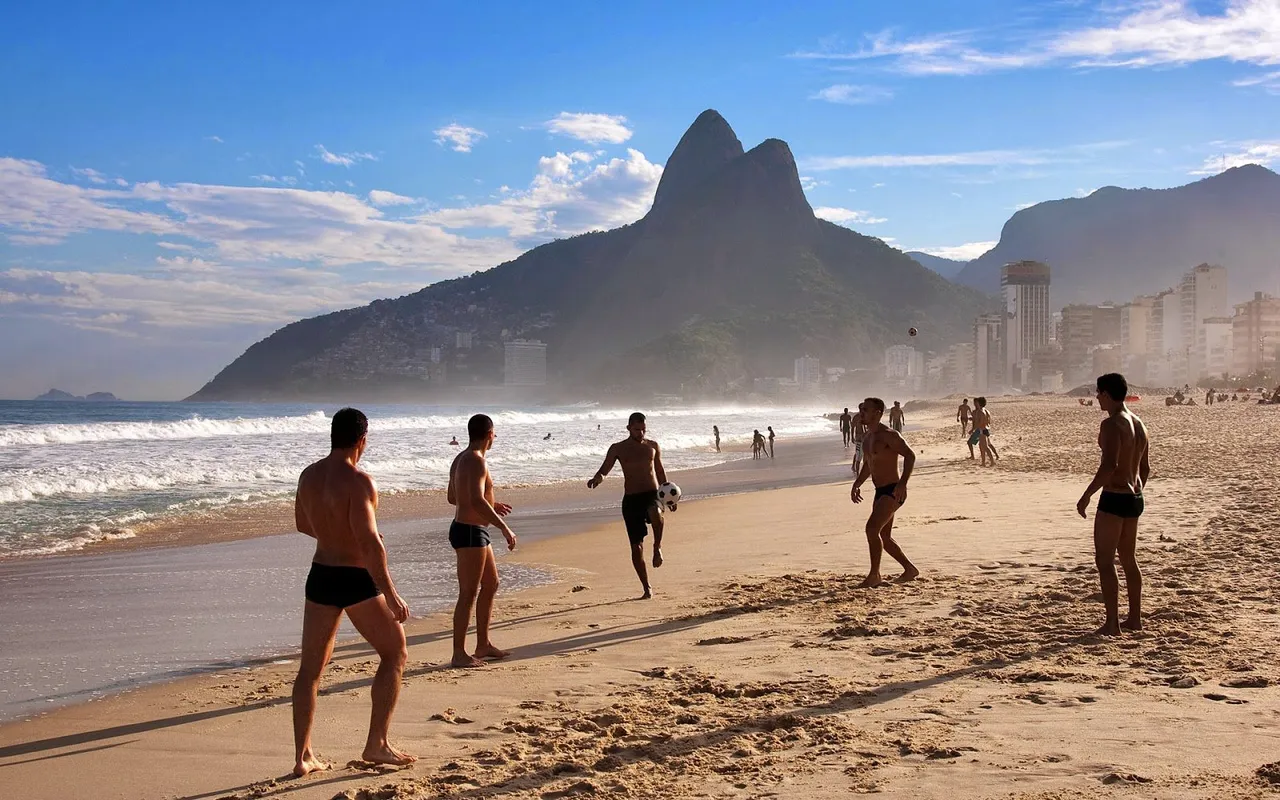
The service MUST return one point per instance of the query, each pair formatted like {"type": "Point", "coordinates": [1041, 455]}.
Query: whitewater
{"type": "Point", "coordinates": [75, 473]}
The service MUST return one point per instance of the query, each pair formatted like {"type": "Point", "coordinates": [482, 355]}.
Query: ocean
{"type": "Point", "coordinates": [74, 473]}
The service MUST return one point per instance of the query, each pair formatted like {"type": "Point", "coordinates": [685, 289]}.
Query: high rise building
{"type": "Point", "coordinates": [1255, 335]}
{"type": "Point", "coordinates": [958, 375]}
{"type": "Point", "coordinates": [1214, 345]}
{"type": "Point", "coordinates": [525, 363]}
{"type": "Point", "coordinates": [1203, 294]}
{"type": "Point", "coordinates": [1025, 288]}
{"type": "Point", "coordinates": [988, 353]}
{"type": "Point", "coordinates": [808, 375]}
{"type": "Point", "coordinates": [1134, 318]}
{"type": "Point", "coordinates": [903, 362]}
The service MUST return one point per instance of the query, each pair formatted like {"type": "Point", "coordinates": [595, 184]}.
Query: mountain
{"type": "Point", "coordinates": [729, 276]}
{"type": "Point", "coordinates": [946, 267]}
{"type": "Point", "coordinates": [1117, 243]}
{"type": "Point", "coordinates": [59, 395]}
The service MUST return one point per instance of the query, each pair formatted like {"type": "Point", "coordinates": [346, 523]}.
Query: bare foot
{"type": "Point", "coordinates": [309, 764]}
{"type": "Point", "coordinates": [657, 558]}
{"type": "Point", "coordinates": [648, 594]}
{"type": "Point", "coordinates": [489, 651]}
{"type": "Point", "coordinates": [871, 582]}
{"type": "Point", "coordinates": [908, 576]}
{"type": "Point", "coordinates": [1131, 624]}
{"type": "Point", "coordinates": [386, 754]}
{"type": "Point", "coordinates": [464, 661]}
{"type": "Point", "coordinates": [1108, 629]}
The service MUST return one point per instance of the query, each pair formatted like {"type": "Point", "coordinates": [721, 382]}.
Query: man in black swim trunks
{"type": "Point", "coordinates": [881, 449]}
{"type": "Point", "coordinates": [337, 505]}
{"type": "Point", "coordinates": [642, 474]}
{"type": "Point", "coordinates": [1121, 476]}
{"type": "Point", "coordinates": [846, 427]}
{"type": "Point", "coordinates": [471, 491]}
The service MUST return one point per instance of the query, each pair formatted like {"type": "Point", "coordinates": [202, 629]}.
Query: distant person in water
{"type": "Point", "coordinates": [642, 474]}
{"type": "Point", "coordinates": [771, 438]}
{"type": "Point", "coordinates": [846, 427]}
{"type": "Point", "coordinates": [336, 505]}
{"type": "Point", "coordinates": [546, 438]}
{"type": "Point", "coordinates": [882, 447]}
{"type": "Point", "coordinates": [715, 429]}
{"type": "Point", "coordinates": [962, 416]}
{"type": "Point", "coordinates": [471, 492]}
{"type": "Point", "coordinates": [896, 417]}
{"type": "Point", "coordinates": [1122, 475]}
{"type": "Point", "coordinates": [454, 442]}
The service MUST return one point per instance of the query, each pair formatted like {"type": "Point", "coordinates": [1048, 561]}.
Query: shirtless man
{"type": "Point", "coordinates": [846, 427]}
{"type": "Point", "coordinates": [896, 417]}
{"type": "Point", "coordinates": [471, 491]}
{"type": "Point", "coordinates": [981, 433]}
{"type": "Point", "coordinates": [772, 436]}
{"type": "Point", "coordinates": [642, 474]}
{"type": "Point", "coordinates": [962, 416]}
{"type": "Point", "coordinates": [882, 447]}
{"type": "Point", "coordinates": [1121, 476]}
{"type": "Point", "coordinates": [858, 432]}
{"type": "Point", "coordinates": [336, 505]}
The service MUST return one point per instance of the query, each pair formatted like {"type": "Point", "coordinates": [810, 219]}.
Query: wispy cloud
{"type": "Point", "coordinates": [459, 138]}
{"type": "Point", "coordinates": [215, 139]}
{"type": "Point", "coordinates": [847, 216]}
{"type": "Point", "coordinates": [972, 158]}
{"type": "Point", "coordinates": [1149, 33]}
{"type": "Point", "coordinates": [342, 159]}
{"type": "Point", "coordinates": [89, 174]}
{"type": "Point", "coordinates": [959, 252]}
{"type": "Point", "coordinates": [1237, 154]}
{"type": "Point", "coordinates": [591, 128]}
{"type": "Point", "coordinates": [850, 95]}
{"type": "Point", "coordinates": [1268, 81]}
{"type": "Point", "coordinates": [285, 180]}
{"type": "Point", "coordinates": [382, 198]}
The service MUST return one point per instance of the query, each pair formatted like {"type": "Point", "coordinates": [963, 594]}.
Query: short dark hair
{"type": "Point", "coordinates": [1114, 386]}
{"type": "Point", "coordinates": [347, 429]}
{"type": "Point", "coordinates": [980, 401]}
{"type": "Point", "coordinates": [635, 419]}
{"type": "Point", "coordinates": [479, 426]}
{"type": "Point", "coordinates": [877, 402]}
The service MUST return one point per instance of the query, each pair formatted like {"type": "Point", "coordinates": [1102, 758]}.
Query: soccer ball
{"type": "Point", "coordinates": [912, 332]}
{"type": "Point", "coordinates": [669, 495]}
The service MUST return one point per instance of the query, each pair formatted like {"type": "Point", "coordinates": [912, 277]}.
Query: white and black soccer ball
{"type": "Point", "coordinates": [669, 496]}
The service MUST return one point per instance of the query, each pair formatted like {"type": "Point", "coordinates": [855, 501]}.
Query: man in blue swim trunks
{"type": "Point", "coordinates": [1121, 476]}
{"type": "Point", "coordinates": [880, 450]}
{"type": "Point", "coordinates": [642, 474]}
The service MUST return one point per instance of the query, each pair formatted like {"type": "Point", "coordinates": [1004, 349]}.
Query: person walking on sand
{"type": "Point", "coordinates": [882, 447]}
{"type": "Point", "coordinates": [757, 444]}
{"type": "Point", "coordinates": [642, 474]}
{"type": "Point", "coordinates": [846, 427]}
{"type": "Point", "coordinates": [715, 429]}
{"type": "Point", "coordinates": [771, 438]}
{"type": "Point", "coordinates": [962, 416]}
{"type": "Point", "coordinates": [1122, 475]}
{"type": "Point", "coordinates": [471, 492]}
{"type": "Point", "coordinates": [336, 504]}
{"type": "Point", "coordinates": [896, 417]}
{"type": "Point", "coordinates": [858, 432]}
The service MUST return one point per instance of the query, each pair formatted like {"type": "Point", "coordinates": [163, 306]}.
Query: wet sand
{"type": "Point", "coordinates": [760, 671]}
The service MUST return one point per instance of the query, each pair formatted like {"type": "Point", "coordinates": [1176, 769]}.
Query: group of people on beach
{"type": "Point", "coordinates": [336, 504]}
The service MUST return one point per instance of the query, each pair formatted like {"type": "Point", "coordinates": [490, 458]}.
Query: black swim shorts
{"type": "Point", "coordinates": [1121, 504]}
{"type": "Point", "coordinates": [463, 535]}
{"type": "Point", "coordinates": [635, 513]}
{"type": "Point", "coordinates": [339, 587]}
{"type": "Point", "coordinates": [886, 491]}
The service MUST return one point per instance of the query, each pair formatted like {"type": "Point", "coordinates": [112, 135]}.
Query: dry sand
{"type": "Point", "coordinates": [760, 672]}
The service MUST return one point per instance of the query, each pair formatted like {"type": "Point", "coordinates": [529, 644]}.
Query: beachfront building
{"type": "Point", "coordinates": [1255, 335]}
{"type": "Point", "coordinates": [807, 373]}
{"type": "Point", "coordinates": [1203, 294]}
{"type": "Point", "coordinates": [904, 367]}
{"type": "Point", "coordinates": [1166, 352]}
{"type": "Point", "coordinates": [1084, 328]}
{"type": "Point", "coordinates": [958, 374]}
{"type": "Point", "coordinates": [1214, 337]}
{"type": "Point", "coordinates": [988, 354]}
{"type": "Point", "coordinates": [1024, 286]}
{"type": "Point", "coordinates": [525, 363]}
{"type": "Point", "coordinates": [1134, 317]}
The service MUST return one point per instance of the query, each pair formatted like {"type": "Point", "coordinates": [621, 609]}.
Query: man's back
{"type": "Point", "coordinates": [846, 419]}
{"type": "Point", "coordinates": [1131, 441]}
{"type": "Point", "coordinates": [327, 490]}
{"type": "Point", "coordinates": [469, 468]}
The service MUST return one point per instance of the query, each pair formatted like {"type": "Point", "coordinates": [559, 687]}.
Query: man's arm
{"type": "Point", "coordinates": [903, 449]}
{"type": "Point", "coordinates": [658, 469]}
{"type": "Point", "coordinates": [1144, 466]}
{"type": "Point", "coordinates": [609, 458]}
{"type": "Point", "coordinates": [364, 527]}
{"type": "Point", "coordinates": [300, 520]}
{"type": "Point", "coordinates": [451, 494]}
{"type": "Point", "coordinates": [1106, 467]}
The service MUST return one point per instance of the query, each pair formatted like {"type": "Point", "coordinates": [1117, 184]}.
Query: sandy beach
{"type": "Point", "coordinates": [760, 671]}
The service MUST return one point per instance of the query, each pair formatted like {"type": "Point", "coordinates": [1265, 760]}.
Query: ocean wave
{"type": "Point", "coordinates": [19, 488]}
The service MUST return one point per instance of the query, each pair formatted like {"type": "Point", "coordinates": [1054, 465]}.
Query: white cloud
{"type": "Point", "coordinates": [215, 139]}
{"type": "Point", "coordinates": [1132, 34]}
{"type": "Point", "coordinates": [380, 198]}
{"type": "Point", "coordinates": [959, 252]}
{"type": "Point", "coordinates": [342, 159]}
{"type": "Point", "coordinates": [460, 137]}
{"type": "Point", "coordinates": [974, 158]}
{"type": "Point", "coordinates": [591, 128]}
{"type": "Point", "coordinates": [808, 182]}
{"type": "Point", "coordinates": [1269, 81]}
{"type": "Point", "coordinates": [285, 180]}
{"type": "Point", "coordinates": [847, 216]}
{"type": "Point", "coordinates": [1021, 206]}
{"type": "Point", "coordinates": [1264, 153]}
{"type": "Point", "coordinates": [90, 174]}
{"type": "Point", "coordinates": [847, 94]}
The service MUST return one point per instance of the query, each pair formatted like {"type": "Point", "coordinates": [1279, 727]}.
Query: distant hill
{"type": "Point", "coordinates": [59, 395]}
{"type": "Point", "coordinates": [729, 276]}
{"type": "Point", "coordinates": [946, 267]}
{"type": "Point", "coordinates": [1118, 243]}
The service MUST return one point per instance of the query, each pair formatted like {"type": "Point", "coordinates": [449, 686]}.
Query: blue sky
{"type": "Point", "coordinates": [178, 180]}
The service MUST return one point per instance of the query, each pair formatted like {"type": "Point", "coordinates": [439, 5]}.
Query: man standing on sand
{"type": "Point", "coordinates": [846, 427]}
{"type": "Point", "coordinates": [1121, 476]}
{"type": "Point", "coordinates": [642, 474]}
{"type": "Point", "coordinates": [336, 505]}
{"type": "Point", "coordinates": [771, 437]}
{"type": "Point", "coordinates": [962, 416]}
{"type": "Point", "coordinates": [858, 432]}
{"type": "Point", "coordinates": [896, 417]}
{"type": "Point", "coordinates": [981, 433]}
{"type": "Point", "coordinates": [882, 448]}
{"type": "Point", "coordinates": [471, 491]}
{"type": "Point", "coordinates": [715, 429]}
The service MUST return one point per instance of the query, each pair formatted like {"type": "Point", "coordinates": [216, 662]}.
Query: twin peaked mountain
{"type": "Point", "coordinates": [729, 276]}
